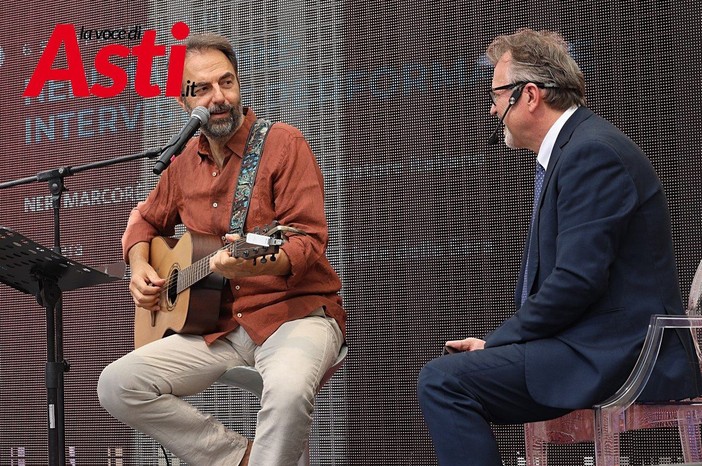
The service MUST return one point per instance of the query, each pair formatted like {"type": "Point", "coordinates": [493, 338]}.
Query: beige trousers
{"type": "Point", "coordinates": [143, 390]}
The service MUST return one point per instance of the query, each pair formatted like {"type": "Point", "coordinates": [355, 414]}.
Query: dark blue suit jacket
{"type": "Point", "coordinates": [601, 263]}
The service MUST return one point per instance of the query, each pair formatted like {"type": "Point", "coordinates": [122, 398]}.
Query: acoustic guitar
{"type": "Point", "coordinates": [191, 295]}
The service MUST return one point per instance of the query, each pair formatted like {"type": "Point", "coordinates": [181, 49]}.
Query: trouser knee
{"type": "Point", "coordinates": [110, 390]}
{"type": "Point", "coordinates": [429, 383]}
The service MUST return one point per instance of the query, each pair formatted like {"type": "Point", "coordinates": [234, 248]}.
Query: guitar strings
{"type": "Point", "coordinates": [199, 269]}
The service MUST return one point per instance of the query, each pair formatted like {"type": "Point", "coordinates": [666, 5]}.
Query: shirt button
{"type": "Point", "coordinates": [214, 204]}
{"type": "Point", "coordinates": [214, 173]}
{"type": "Point", "coordinates": [237, 287]}
{"type": "Point", "coordinates": [238, 314]}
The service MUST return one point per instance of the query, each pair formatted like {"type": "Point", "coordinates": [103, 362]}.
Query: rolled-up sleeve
{"type": "Point", "coordinates": [299, 193]}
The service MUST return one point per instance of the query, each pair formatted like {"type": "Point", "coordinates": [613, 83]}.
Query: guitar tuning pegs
{"type": "Point", "coordinates": [263, 260]}
{"type": "Point", "coordinates": [273, 258]}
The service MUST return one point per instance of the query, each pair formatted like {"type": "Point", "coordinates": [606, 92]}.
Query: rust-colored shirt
{"type": "Point", "coordinates": [289, 188]}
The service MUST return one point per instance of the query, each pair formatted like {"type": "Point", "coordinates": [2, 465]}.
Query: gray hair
{"type": "Point", "coordinates": [542, 57]}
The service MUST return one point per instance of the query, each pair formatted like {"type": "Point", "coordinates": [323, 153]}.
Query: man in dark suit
{"type": "Point", "coordinates": [598, 263]}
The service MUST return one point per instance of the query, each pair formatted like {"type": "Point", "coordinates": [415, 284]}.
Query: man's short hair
{"type": "Point", "coordinates": [542, 56]}
{"type": "Point", "coordinates": [210, 41]}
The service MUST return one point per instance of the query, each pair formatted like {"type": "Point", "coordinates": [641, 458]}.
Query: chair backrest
{"type": "Point", "coordinates": [694, 300]}
{"type": "Point", "coordinates": [694, 308]}
{"type": "Point", "coordinates": [632, 388]}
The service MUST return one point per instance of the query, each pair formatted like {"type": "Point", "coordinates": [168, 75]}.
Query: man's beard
{"type": "Point", "coordinates": [509, 138]}
{"type": "Point", "coordinates": [222, 128]}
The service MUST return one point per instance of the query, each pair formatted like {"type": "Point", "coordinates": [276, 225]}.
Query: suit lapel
{"type": "Point", "coordinates": [580, 115]}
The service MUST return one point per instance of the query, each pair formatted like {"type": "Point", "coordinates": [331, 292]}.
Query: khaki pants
{"type": "Point", "coordinates": [143, 389]}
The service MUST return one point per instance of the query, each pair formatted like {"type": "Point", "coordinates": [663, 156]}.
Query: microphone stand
{"type": "Point", "coordinates": [50, 298]}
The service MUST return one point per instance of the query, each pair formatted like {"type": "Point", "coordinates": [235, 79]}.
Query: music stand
{"type": "Point", "coordinates": [34, 269]}
{"type": "Point", "coordinates": [56, 274]}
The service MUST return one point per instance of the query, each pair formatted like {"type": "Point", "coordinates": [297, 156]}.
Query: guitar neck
{"type": "Point", "coordinates": [200, 269]}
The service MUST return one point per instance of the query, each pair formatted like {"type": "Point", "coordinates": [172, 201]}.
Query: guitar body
{"type": "Point", "coordinates": [194, 310]}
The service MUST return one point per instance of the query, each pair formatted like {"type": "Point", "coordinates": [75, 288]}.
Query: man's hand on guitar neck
{"type": "Point", "coordinates": [145, 284]}
{"type": "Point", "coordinates": [230, 267]}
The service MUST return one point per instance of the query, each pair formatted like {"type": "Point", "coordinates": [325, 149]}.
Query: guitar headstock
{"type": "Point", "coordinates": [262, 242]}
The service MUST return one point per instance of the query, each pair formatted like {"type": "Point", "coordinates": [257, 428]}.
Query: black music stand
{"type": "Point", "coordinates": [47, 277]}
{"type": "Point", "coordinates": [34, 269]}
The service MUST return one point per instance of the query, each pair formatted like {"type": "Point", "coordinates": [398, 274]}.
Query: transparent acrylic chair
{"type": "Point", "coordinates": [248, 378]}
{"type": "Point", "coordinates": [604, 422]}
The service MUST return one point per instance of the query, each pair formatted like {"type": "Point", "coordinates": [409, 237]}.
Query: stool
{"type": "Point", "coordinates": [247, 378]}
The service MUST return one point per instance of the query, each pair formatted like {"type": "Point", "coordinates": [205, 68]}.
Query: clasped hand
{"type": "Point", "coordinates": [467, 344]}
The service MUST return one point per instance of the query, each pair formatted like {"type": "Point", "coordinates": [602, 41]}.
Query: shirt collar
{"type": "Point", "coordinates": [550, 140]}
{"type": "Point", "coordinates": [236, 143]}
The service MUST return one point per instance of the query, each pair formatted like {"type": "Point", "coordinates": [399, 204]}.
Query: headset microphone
{"type": "Point", "coordinates": [492, 140]}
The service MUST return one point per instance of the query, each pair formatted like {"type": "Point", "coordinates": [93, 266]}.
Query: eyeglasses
{"type": "Point", "coordinates": [494, 96]}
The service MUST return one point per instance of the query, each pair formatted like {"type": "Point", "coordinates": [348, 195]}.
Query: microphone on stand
{"type": "Point", "coordinates": [198, 117]}
{"type": "Point", "coordinates": [492, 140]}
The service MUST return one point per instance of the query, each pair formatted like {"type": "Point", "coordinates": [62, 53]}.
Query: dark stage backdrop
{"type": "Point", "coordinates": [427, 221]}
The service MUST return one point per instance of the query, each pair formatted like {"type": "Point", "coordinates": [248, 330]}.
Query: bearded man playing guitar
{"type": "Point", "coordinates": [280, 313]}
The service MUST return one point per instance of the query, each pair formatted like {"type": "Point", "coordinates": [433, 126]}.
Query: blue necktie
{"type": "Point", "coordinates": [538, 184]}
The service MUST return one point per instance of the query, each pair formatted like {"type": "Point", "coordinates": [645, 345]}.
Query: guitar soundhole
{"type": "Point", "coordinates": [172, 291]}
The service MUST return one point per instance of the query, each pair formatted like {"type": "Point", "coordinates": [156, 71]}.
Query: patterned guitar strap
{"type": "Point", "coordinates": [247, 174]}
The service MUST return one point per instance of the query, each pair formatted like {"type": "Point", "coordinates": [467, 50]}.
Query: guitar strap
{"type": "Point", "coordinates": [247, 174]}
